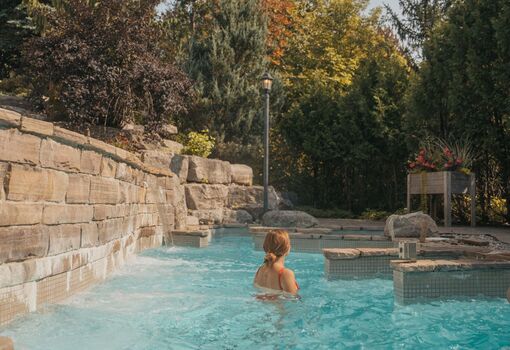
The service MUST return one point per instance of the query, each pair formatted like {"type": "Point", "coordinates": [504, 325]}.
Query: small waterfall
{"type": "Point", "coordinates": [167, 227]}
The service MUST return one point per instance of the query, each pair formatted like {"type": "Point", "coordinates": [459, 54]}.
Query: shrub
{"type": "Point", "coordinates": [333, 213]}
{"type": "Point", "coordinates": [374, 214]}
{"type": "Point", "coordinates": [97, 62]}
{"type": "Point", "coordinates": [199, 144]}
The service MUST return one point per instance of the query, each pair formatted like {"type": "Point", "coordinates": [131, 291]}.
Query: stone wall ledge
{"type": "Point", "coordinates": [10, 119]}
{"type": "Point", "coordinates": [346, 253]}
{"type": "Point", "coordinates": [16, 273]}
{"type": "Point", "coordinates": [201, 233]}
{"type": "Point", "coordinates": [447, 265]}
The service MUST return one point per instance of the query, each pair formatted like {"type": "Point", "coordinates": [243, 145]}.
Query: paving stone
{"type": "Point", "coordinates": [35, 184]}
{"type": "Point", "coordinates": [54, 214]}
{"type": "Point", "coordinates": [64, 238]}
{"type": "Point", "coordinates": [79, 189]}
{"type": "Point", "coordinates": [210, 171]}
{"type": "Point", "coordinates": [201, 196]}
{"type": "Point", "coordinates": [19, 148]}
{"type": "Point", "coordinates": [90, 162]}
{"type": "Point", "coordinates": [108, 167]}
{"type": "Point", "coordinates": [242, 174]}
{"type": "Point", "coordinates": [36, 126]}
{"type": "Point", "coordinates": [12, 213]}
{"type": "Point", "coordinates": [69, 137]}
{"type": "Point", "coordinates": [60, 157]}
{"type": "Point", "coordinates": [89, 235]}
{"type": "Point", "coordinates": [104, 191]}
{"type": "Point", "coordinates": [22, 242]}
{"type": "Point", "coordinates": [9, 118]}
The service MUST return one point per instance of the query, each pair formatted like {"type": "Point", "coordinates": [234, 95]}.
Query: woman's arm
{"type": "Point", "coordinates": [289, 282]}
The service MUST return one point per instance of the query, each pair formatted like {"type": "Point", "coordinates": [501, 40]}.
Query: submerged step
{"type": "Point", "coordinates": [442, 279]}
{"type": "Point", "coordinates": [358, 262]}
{"type": "Point", "coordinates": [195, 238]}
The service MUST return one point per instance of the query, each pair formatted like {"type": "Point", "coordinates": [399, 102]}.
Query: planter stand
{"type": "Point", "coordinates": [446, 183]}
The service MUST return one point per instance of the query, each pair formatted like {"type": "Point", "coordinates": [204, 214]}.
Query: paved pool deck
{"type": "Point", "coordinates": [500, 233]}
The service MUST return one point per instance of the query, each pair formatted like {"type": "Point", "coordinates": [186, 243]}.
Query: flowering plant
{"type": "Point", "coordinates": [442, 156]}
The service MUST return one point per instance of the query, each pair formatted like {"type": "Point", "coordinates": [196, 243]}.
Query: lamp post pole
{"type": "Point", "coordinates": [266, 151]}
{"type": "Point", "coordinates": [267, 81]}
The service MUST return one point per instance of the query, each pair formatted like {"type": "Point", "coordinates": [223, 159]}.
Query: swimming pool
{"type": "Point", "coordinates": [188, 298]}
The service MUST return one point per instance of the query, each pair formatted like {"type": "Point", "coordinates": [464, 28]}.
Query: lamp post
{"type": "Point", "coordinates": [267, 82]}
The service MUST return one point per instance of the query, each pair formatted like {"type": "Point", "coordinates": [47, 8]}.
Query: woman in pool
{"type": "Point", "coordinates": [273, 275]}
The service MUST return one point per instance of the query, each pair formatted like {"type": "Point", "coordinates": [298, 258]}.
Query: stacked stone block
{"type": "Point", "coordinates": [72, 209]}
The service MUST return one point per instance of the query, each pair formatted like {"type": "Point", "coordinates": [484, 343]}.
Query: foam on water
{"type": "Point", "coordinates": [186, 298]}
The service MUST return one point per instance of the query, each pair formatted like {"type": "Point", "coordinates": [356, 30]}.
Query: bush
{"type": "Point", "coordinates": [98, 62]}
{"type": "Point", "coordinates": [374, 214]}
{"type": "Point", "coordinates": [199, 144]}
{"type": "Point", "coordinates": [332, 213]}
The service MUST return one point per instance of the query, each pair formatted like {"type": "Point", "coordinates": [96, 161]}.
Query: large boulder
{"type": "Point", "coordinates": [236, 217]}
{"type": "Point", "coordinates": [251, 199]}
{"type": "Point", "coordinates": [242, 174]}
{"type": "Point", "coordinates": [179, 166]}
{"type": "Point", "coordinates": [172, 146]}
{"type": "Point", "coordinates": [210, 171]}
{"type": "Point", "coordinates": [409, 225]}
{"type": "Point", "coordinates": [208, 216]}
{"type": "Point", "coordinates": [288, 218]}
{"type": "Point", "coordinates": [205, 197]}
{"type": "Point", "coordinates": [157, 158]}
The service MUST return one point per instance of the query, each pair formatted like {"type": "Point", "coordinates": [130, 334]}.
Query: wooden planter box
{"type": "Point", "coordinates": [445, 183]}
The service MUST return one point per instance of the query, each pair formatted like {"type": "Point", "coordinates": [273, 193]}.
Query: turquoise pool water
{"type": "Point", "coordinates": [186, 298]}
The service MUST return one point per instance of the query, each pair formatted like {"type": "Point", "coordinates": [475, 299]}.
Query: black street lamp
{"type": "Point", "coordinates": [267, 82]}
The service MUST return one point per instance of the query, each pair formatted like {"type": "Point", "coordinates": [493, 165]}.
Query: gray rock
{"type": "Point", "coordinates": [251, 199]}
{"type": "Point", "coordinates": [208, 216]}
{"type": "Point", "coordinates": [236, 217]}
{"type": "Point", "coordinates": [211, 171]}
{"type": "Point", "coordinates": [157, 158]}
{"type": "Point", "coordinates": [172, 146]}
{"type": "Point", "coordinates": [206, 197]}
{"type": "Point", "coordinates": [179, 166]}
{"type": "Point", "coordinates": [242, 174]}
{"type": "Point", "coordinates": [167, 130]}
{"type": "Point", "coordinates": [409, 225]}
{"type": "Point", "coordinates": [288, 218]}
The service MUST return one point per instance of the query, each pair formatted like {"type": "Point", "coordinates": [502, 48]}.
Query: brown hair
{"type": "Point", "coordinates": [276, 244]}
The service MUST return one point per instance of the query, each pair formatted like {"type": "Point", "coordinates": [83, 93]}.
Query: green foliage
{"type": "Point", "coordinates": [415, 21]}
{"type": "Point", "coordinates": [462, 89]}
{"type": "Point", "coordinates": [199, 144]}
{"type": "Point", "coordinates": [332, 213]}
{"type": "Point", "coordinates": [15, 27]}
{"type": "Point", "coordinates": [343, 125]}
{"type": "Point", "coordinates": [374, 214]}
{"type": "Point", "coordinates": [225, 58]}
{"type": "Point", "coordinates": [99, 63]}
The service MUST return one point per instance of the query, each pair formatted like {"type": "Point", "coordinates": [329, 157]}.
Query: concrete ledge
{"type": "Point", "coordinates": [346, 253]}
{"type": "Point", "coordinates": [191, 233]}
{"type": "Point", "coordinates": [6, 343]}
{"type": "Point", "coordinates": [448, 265]}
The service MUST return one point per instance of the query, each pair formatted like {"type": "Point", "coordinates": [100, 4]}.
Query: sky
{"type": "Point", "coordinates": [393, 3]}
{"type": "Point", "coordinates": [373, 3]}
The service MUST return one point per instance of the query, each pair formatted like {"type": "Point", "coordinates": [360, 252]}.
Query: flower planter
{"type": "Point", "coordinates": [446, 183]}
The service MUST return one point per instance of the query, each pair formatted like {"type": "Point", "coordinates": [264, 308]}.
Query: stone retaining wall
{"type": "Point", "coordinates": [72, 209]}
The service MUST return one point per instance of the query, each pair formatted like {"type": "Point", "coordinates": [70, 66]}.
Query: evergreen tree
{"type": "Point", "coordinates": [462, 90]}
{"type": "Point", "coordinates": [15, 27]}
{"type": "Point", "coordinates": [226, 60]}
{"type": "Point", "coordinates": [416, 21]}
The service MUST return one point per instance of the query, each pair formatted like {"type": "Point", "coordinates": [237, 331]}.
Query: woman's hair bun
{"type": "Point", "coordinates": [270, 258]}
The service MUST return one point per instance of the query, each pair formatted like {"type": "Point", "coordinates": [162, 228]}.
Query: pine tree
{"type": "Point", "coordinates": [226, 64]}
